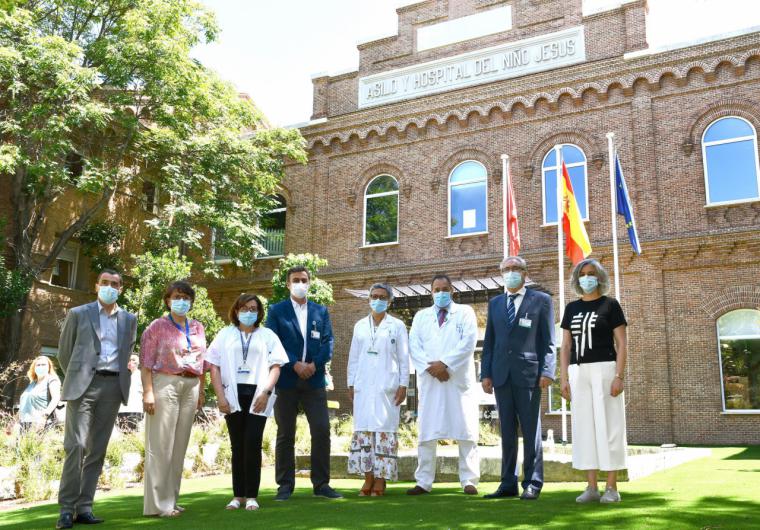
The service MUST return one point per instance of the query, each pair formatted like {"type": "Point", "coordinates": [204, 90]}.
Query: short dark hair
{"type": "Point", "coordinates": [181, 286]}
{"type": "Point", "coordinates": [243, 299]}
{"type": "Point", "coordinates": [109, 271]}
{"type": "Point", "coordinates": [440, 276]}
{"type": "Point", "coordinates": [297, 268]}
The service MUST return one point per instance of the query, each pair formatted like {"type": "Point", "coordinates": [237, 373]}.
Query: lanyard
{"type": "Point", "coordinates": [244, 345]}
{"type": "Point", "coordinates": [186, 331]}
{"type": "Point", "coordinates": [372, 334]}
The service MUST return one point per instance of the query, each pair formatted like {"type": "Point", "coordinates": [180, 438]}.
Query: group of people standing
{"type": "Point", "coordinates": [259, 371]}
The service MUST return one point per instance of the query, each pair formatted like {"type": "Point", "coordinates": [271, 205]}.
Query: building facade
{"type": "Point", "coordinates": [404, 181]}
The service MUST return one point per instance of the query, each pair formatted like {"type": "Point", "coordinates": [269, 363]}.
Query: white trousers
{"type": "Point", "coordinates": [598, 419]}
{"type": "Point", "coordinates": [469, 463]}
{"type": "Point", "coordinates": [167, 434]}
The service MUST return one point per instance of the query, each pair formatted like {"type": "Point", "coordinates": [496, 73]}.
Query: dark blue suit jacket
{"type": "Point", "coordinates": [520, 354]}
{"type": "Point", "coordinates": [282, 319]}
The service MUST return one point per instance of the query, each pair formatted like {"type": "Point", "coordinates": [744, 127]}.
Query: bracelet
{"type": "Point", "coordinates": [618, 376]}
{"type": "Point", "coordinates": [269, 392]}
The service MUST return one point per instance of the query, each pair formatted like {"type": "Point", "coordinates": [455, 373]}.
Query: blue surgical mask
{"type": "Point", "coordinates": [378, 306]}
{"type": "Point", "coordinates": [248, 318]}
{"type": "Point", "coordinates": [442, 298]}
{"type": "Point", "coordinates": [180, 307]}
{"type": "Point", "coordinates": [107, 294]}
{"type": "Point", "coordinates": [512, 279]}
{"type": "Point", "coordinates": [41, 371]}
{"type": "Point", "coordinates": [588, 283]}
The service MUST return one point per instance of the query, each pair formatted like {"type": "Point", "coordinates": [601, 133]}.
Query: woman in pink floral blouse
{"type": "Point", "coordinates": [172, 350]}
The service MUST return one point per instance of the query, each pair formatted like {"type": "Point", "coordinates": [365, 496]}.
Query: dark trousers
{"type": "Point", "coordinates": [314, 403]}
{"type": "Point", "coordinates": [246, 433]}
{"type": "Point", "coordinates": [523, 404]}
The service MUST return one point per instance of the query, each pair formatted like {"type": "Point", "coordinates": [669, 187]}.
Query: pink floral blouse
{"type": "Point", "coordinates": [163, 348]}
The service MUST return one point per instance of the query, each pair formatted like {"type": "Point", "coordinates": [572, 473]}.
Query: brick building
{"type": "Point", "coordinates": [404, 180]}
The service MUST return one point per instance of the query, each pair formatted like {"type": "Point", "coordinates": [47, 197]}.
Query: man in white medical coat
{"type": "Point", "coordinates": [441, 345]}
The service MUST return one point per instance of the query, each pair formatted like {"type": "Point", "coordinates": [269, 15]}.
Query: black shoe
{"type": "Point", "coordinates": [327, 492]}
{"type": "Point", "coordinates": [87, 518]}
{"type": "Point", "coordinates": [501, 492]}
{"type": "Point", "coordinates": [66, 520]}
{"type": "Point", "coordinates": [530, 493]}
{"type": "Point", "coordinates": [283, 495]}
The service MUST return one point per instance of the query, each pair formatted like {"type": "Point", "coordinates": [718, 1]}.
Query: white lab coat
{"type": "Point", "coordinates": [447, 410]}
{"type": "Point", "coordinates": [265, 351]}
{"type": "Point", "coordinates": [375, 378]}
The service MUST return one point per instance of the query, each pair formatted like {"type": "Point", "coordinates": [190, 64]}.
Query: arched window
{"type": "Point", "coordinates": [273, 225]}
{"type": "Point", "coordinates": [468, 206]}
{"type": "Point", "coordinates": [729, 154]}
{"type": "Point", "coordinates": [381, 211]}
{"type": "Point", "coordinates": [739, 350]}
{"type": "Point", "coordinates": [575, 161]}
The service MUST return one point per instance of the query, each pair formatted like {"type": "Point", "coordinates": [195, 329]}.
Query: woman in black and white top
{"type": "Point", "coordinates": [245, 364]}
{"type": "Point", "coordinates": [592, 362]}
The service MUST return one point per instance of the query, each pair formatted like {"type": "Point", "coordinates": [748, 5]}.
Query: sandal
{"type": "Point", "coordinates": [170, 513]}
{"type": "Point", "coordinates": [366, 490]}
{"type": "Point", "coordinates": [234, 504]}
{"type": "Point", "coordinates": [251, 505]}
{"type": "Point", "coordinates": [180, 509]}
{"type": "Point", "coordinates": [378, 491]}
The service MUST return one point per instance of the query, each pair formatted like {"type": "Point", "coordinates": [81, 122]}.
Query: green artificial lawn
{"type": "Point", "coordinates": [719, 492]}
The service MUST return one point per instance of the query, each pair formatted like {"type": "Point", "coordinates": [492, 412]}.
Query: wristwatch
{"type": "Point", "coordinates": [269, 392]}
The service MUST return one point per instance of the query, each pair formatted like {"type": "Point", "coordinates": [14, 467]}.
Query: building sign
{"type": "Point", "coordinates": [515, 59]}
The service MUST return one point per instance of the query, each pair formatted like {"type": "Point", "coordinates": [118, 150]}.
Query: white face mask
{"type": "Point", "coordinates": [299, 290]}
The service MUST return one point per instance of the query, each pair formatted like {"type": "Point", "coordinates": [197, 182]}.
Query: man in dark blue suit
{"type": "Point", "coordinates": [518, 361]}
{"type": "Point", "coordinates": [306, 334]}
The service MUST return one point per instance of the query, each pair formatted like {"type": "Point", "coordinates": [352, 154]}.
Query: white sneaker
{"type": "Point", "coordinates": [590, 495]}
{"type": "Point", "coordinates": [610, 495]}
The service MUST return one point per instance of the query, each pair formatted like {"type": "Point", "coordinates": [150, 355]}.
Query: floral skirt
{"type": "Point", "coordinates": [374, 452]}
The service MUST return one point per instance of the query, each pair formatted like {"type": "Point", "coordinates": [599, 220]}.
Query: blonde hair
{"type": "Point", "coordinates": [32, 375]}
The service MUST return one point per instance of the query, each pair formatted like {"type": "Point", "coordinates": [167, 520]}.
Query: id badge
{"type": "Point", "coordinates": [525, 322]}
{"type": "Point", "coordinates": [371, 352]}
{"type": "Point", "coordinates": [243, 369]}
{"type": "Point", "coordinates": [315, 334]}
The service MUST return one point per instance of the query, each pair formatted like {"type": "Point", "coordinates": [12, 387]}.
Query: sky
{"type": "Point", "coordinates": [270, 49]}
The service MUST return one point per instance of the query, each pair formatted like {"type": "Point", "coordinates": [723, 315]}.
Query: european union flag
{"type": "Point", "coordinates": [624, 206]}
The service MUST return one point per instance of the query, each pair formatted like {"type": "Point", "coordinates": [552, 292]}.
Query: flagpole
{"type": "Point", "coordinates": [561, 267]}
{"type": "Point", "coordinates": [613, 211]}
{"type": "Point", "coordinates": [504, 188]}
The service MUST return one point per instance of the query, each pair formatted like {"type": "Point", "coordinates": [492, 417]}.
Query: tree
{"type": "Point", "coordinates": [99, 97]}
{"type": "Point", "coordinates": [319, 290]}
{"type": "Point", "coordinates": [13, 284]}
{"type": "Point", "coordinates": [152, 273]}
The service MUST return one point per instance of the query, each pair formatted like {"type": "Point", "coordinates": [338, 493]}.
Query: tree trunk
{"type": "Point", "coordinates": [13, 343]}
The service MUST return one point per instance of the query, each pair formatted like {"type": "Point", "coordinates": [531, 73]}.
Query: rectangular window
{"type": "Point", "coordinates": [65, 269]}
{"type": "Point", "coordinates": [740, 359]}
{"type": "Point", "coordinates": [220, 256]}
{"type": "Point", "coordinates": [150, 198]}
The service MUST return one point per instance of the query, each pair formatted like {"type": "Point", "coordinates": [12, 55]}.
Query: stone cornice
{"type": "Point", "coordinates": [598, 78]}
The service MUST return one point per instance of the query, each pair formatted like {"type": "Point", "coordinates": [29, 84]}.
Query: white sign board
{"type": "Point", "coordinates": [537, 54]}
{"type": "Point", "coordinates": [465, 28]}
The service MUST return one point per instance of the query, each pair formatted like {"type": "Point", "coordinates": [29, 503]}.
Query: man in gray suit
{"type": "Point", "coordinates": [96, 342]}
{"type": "Point", "coordinates": [518, 361]}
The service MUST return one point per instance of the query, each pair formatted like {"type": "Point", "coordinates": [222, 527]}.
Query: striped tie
{"type": "Point", "coordinates": [511, 314]}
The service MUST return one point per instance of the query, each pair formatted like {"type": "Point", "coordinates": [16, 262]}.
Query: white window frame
{"type": "Point", "coordinates": [484, 180]}
{"type": "Point", "coordinates": [218, 261]}
{"type": "Point", "coordinates": [376, 195]}
{"type": "Point", "coordinates": [558, 169]}
{"type": "Point", "coordinates": [70, 253]}
{"type": "Point", "coordinates": [156, 200]}
{"type": "Point", "coordinates": [720, 366]}
{"type": "Point", "coordinates": [705, 145]}
{"type": "Point", "coordinates": [277, 210]}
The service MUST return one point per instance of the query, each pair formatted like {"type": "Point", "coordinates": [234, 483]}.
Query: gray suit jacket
{"type": "Point", "coordinates": [79, 349]}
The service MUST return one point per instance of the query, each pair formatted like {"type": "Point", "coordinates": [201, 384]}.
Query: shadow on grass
{"type": "Point", "coordinates": [446, 507]}
{"type": "Point", "coordinates": [751, 452]}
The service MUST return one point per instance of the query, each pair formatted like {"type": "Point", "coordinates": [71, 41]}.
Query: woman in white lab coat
{"type": "Point", "coordinates": [378, 374]}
